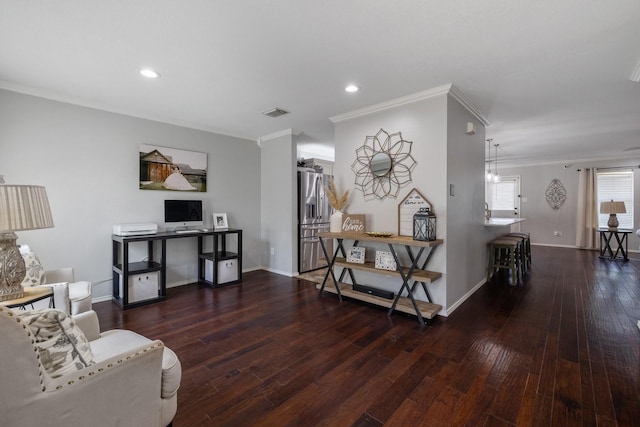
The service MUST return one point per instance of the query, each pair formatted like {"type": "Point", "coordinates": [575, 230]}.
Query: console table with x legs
{"type": "Point", "coordinates": [411, 276]}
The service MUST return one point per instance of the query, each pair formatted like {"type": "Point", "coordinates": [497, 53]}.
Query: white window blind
{"type": "Point", "coordinates": [617, 186]}
{"type": "Point", "coordinates": [504, 196]}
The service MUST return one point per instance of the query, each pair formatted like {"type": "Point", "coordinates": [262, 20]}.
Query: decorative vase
{"type": "Point", "coordinates": [335, 222]}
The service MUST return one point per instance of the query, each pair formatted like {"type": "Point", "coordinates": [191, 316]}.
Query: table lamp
{"type": "Point", "coordinates": [22, 207]}
{"type": "Point", "coordinates": [612, 208]}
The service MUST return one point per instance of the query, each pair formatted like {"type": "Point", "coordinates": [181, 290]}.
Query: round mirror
{"type": "Point", "coordinates": [381, 164]}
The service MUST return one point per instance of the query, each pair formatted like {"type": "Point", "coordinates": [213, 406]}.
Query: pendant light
{"type": "Point", "coordinates": [496, 176]}
{"type": "Point", "coordinates": [489, 175]}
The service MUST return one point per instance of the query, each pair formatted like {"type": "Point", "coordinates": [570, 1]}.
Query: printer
{"type": "Point", "coordinates": [135, 229]}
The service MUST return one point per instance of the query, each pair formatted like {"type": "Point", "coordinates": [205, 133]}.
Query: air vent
{"type": "Point", "coordinates": [275, 112]}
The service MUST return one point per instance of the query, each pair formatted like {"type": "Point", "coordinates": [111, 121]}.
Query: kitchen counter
{"type": "Point", "coordinates": [499, 222]}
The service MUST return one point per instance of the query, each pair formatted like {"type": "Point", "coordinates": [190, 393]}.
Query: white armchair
{"type": "Point", "coordinates": [68, 295]}
{"type": "Point", "coordinates": [79, 293]}
{"type": "Point", "coordinates": [125, 379]}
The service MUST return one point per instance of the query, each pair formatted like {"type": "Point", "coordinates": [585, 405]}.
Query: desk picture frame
{"type": "Point", "coordinates": [385, 261]}
{"type": "Point", "coordinates": [220, 221]}
{"type": "Point", "coordinates": [356, 255]}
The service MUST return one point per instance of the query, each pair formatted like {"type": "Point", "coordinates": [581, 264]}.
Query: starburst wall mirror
{"type": "Point", "coordinates": [383, 164]}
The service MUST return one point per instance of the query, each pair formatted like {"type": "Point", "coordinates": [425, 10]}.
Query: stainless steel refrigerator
{"type": "Point", "coordinates": [314, 211]}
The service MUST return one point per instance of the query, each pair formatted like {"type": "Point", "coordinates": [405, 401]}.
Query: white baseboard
{"type": "Point", "coordinates": [455, 305]}
{"type": "Point", "coordinates": [283, 273]}
{"type": "Point", "coordinates": [554, 246]}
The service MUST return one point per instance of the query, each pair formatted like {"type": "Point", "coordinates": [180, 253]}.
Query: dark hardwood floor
{"type": "Point", "coordinates": [562, 350]}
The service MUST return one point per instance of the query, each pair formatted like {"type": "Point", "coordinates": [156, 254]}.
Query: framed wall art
{"type": "Point", "coordinates": [407, 208]}
{"type": "Point", "coordinates": [172, 169]}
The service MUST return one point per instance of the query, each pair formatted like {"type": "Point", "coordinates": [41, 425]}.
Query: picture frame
{"type": "Point", "coordinates": [220, 221]}
{"type": "Point", "coordinates": [407, 208]}
{"type": "Point", "coordinates": [172, 169]}
{"type": "Point", "coordinates": [385, 261]}
{"type": "Point", "coordinates": [356, 255]}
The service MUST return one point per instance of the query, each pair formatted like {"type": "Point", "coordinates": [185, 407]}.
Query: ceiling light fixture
{"type": "Point", "coordinates": [275, 112]}
{"type": "Point", "coordinates": [149, 73]}
{"type": "Point", "coordinates": [351, 88]}
{"type": "Point", "coordinates": [496, 176]}
{"type": "Point", "coordinates": [488, 162]}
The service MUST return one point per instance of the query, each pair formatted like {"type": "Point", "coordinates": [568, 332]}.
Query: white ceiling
{"type": "Point", "coordinates": [552, 77]}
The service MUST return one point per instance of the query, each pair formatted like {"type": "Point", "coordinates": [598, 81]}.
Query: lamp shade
{"type": "Point", "coordinates": [612, 207]}
{"type": "Point", "coordinates": [24, 207]}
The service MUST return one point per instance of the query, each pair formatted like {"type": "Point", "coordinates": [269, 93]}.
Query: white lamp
{"type": "Point", "coordinates": [22, 207]}
{"type": "Point", "coordinates": [612, 208]}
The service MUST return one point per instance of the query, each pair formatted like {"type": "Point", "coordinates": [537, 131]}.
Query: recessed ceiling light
{"type": "Point", "coordinates": [149, 73]}
{"type": "Point", "coordinates": [351, 88]}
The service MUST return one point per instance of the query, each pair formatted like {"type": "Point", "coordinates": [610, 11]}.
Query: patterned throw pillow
{"type": "Point", "coordinates": [35, 271]}
{"type": "Point", "coordinates": [62, 345]}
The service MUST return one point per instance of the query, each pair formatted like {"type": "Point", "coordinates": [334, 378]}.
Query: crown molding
{"type": "Point", "coordinates": [578, 162]}
{"type": "Point", "coordinates": [56, 96]}
{"type": "Point", "coordinates": [419, 96]}
{"type": "Point", "coordinates": [464, 101]}
{"type": "Point", "coordinates": [286, 132]}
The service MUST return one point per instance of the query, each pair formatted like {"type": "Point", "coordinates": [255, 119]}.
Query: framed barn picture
{"type": "Point", "coordinates": [172, 169]}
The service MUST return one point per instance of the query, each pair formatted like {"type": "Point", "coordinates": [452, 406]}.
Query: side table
{"type": "Point", "coordinates": [31, 295]}
{"type": "Point", "coordinates": [620, 235]}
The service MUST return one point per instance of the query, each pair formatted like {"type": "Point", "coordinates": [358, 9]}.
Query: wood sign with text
{"type": "Point", "coordinates": [353, 223]}
{"type": "Point", "coordinates": [407, 208]}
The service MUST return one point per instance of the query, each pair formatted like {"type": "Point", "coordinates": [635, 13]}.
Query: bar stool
{"type": "Point", "coordinates": [522, 251]}
{"type": "Point", "coordinates": [527, 247]}
{"type": "Point", "coordinates": [504, 254]}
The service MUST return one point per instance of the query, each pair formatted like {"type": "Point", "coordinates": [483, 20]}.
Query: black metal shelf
{"type": "Point", "coordinates": [139, 267]}
{"type": "Point", "coordinates": [122, 270]}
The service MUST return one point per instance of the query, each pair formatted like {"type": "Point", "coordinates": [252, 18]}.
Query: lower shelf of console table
{"type": "Point", "coordinates": [404, 305]}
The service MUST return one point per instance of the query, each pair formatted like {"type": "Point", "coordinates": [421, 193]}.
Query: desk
{"type": "Point", "coordinates": [123, 270]}
{"type": "Point", "coordinates": [606, 251]}
{"type": "Point", "coordinates": [31, 295]}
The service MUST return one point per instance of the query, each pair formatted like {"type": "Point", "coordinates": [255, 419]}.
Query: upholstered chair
{"type": "Point", "coordinates": [69, 295]}
{"type": "Point", "coordinates": [79, 291]}
{"type": "Point", "coordinates": [59, 370]}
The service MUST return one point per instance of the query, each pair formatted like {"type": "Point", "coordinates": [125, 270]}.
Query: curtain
{"type": "Point", "coordinates": [587, 215]}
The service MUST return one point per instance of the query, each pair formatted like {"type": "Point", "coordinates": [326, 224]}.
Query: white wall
{"type": "Point", "coordinates": [542, 221]}
{"type": "Point", "coordinates": [445, 154]}
{"type": "Point", "coordinates": [425, 124]}
{"type": "Point", "coordinates": [88, 161]}
{"type": "Point", "coordinates": [466, 234]}
{"type": "Point", "coordinates": [279, 203]}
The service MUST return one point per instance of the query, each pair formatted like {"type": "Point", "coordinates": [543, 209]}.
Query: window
{"type": "Point", "coordinates": [504, 197]}
{"type": "Point", "coordinates": [618, 186]}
